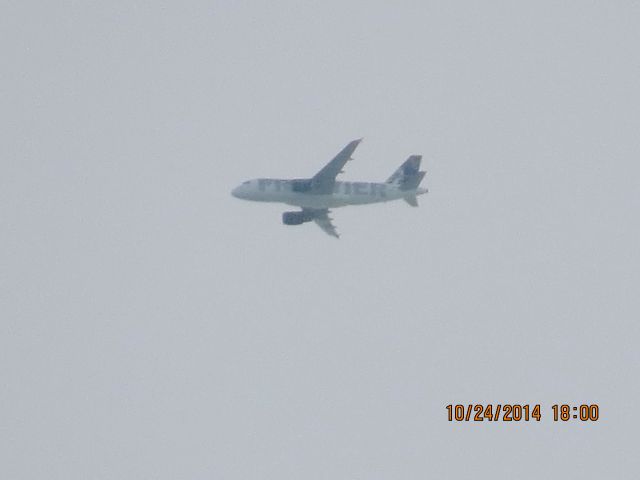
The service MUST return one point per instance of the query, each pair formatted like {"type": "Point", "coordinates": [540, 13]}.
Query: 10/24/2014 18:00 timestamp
{"type": "Point", "coordinates": [515, 412]}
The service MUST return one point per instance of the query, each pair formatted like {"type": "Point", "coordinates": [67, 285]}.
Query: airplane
{"type": "Point", "coordinates": [316, 195]}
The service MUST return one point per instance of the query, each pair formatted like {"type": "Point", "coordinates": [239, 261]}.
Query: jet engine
{"type": "Point", "coordinates": [295, 218]}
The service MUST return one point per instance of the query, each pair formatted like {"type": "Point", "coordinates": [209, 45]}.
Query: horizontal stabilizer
{"type": "Point", "coordinates": [411, 200]}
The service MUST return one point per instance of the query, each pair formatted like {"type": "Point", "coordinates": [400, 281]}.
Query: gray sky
{"type": "Point", "coordinates": [153, 326]}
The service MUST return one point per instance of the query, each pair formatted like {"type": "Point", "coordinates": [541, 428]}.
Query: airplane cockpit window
{"type": "Point", "coordinates": [247, 182]}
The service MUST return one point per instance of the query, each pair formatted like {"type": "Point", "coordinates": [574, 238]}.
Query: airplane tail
{"type": "Point", "coordinates": [408, 177]}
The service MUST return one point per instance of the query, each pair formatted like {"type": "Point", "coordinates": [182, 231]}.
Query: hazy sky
{"type": "Point", "coordinates": [155, 327]}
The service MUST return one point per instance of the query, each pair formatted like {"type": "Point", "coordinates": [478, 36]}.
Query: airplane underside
{"type": "Point", "coordinates": [331, 201]}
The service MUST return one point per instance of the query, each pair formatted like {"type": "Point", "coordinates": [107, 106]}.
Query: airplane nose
{"type": "Point", "coordinates": [242, 191]}
{"type": "Point", "coordinates": [238, 192]}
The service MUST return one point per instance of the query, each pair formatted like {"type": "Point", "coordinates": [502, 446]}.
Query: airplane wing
{"type": "Point", "coordinates": [323, 181]}
{"type": "Point", "coordinates": [322, 219]}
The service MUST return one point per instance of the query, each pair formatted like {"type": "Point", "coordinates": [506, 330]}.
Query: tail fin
{"type": "Point", "coordinates": [410, 167]}
{"type": "Point", "coordinates": [408, 177]}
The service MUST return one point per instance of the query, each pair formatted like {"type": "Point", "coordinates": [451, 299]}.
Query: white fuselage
{"type": "Point", "coordinates": [292, 192]}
